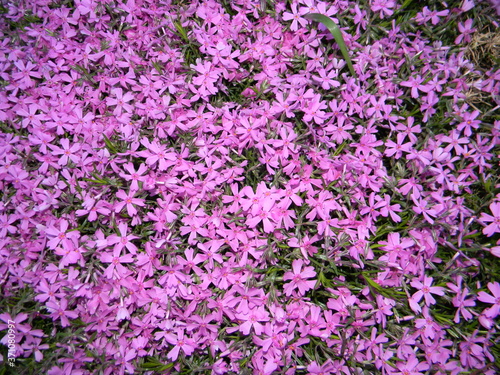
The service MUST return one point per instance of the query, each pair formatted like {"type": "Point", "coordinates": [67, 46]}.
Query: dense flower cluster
{"type": "Point", "coordinates": [206, 188]}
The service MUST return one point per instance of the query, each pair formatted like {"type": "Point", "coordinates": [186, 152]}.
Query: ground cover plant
{"type": "Point", "coordinates": [219, 187]}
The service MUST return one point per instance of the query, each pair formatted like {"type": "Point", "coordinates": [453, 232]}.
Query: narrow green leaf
{"type": "Point", "coordinates": [165, 367]}
{"type": "Point", "coordinates": [109, 145]}
{"type": "Point", "coordinates": [337, 34]}
{"type": "Point", "coordinates": [372, 283]}
{"type": "Point", "coordinates": [150, 365]}
{"type": "Point", "coordinates": [158, 67]}
{"type": "Point", "coordinates": [182, 32]}
{"type": "Point", "coordinates": [406, 3]}
{"type": "Point", "coordinates": [282, 246]}
{"type": "Point", "coordinates": [102, 182]}
{"type": "Point", "coordinates": [339, 149]}
{"type": "Point", "coordinates": [324, 280]}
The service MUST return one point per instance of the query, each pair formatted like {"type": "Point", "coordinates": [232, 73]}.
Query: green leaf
{"type": "Point", "coordinates": [165, 367]}
{"type": "Point", "coordinates": [109, 145]}
{"type": "Point", "coordinates": [101, 182]}
{"type": "Point", "coordinates": [282, 246]}
{"type": "Point", "coordinates": [337, 34]}
{"type": "Point", "coordinates": [324, 280]}
{"type": "Point", "coordinates": [372, 283]}
{"type": "Point", "coordinates": [158, 67]}
{"type": "Point", "coordinates": [339, 149]}
{"type": "Point", "coordinates": [154, 364]}
{"type": "Point", "coordinates": [182, 31]}
{"type": "Point", "coordinates": [376, 288]}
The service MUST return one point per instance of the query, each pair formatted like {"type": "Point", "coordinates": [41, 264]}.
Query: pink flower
{"type": "Point", "coordinates": [420, 207]}
{"type": "Point", "coordinates": [460, 300]}
{"type": "Point", "coordinates": [134, 176]}
{"type": "Point", "coordinates": [426, 291]}
{"type": "Point", "coordinates": [296, 16]}
{"type": "Point", "coordinates": [25, 73]}
{"type": "Point", "coordinates": [313, 110]}
{"type": "Point", "coordinates": [395, 243]}
{"type": "Point", "coordinates": [299, 278]}
{"type": "Point", "coordinates": [264, 215]}
{"type": "Point", "coordinates": [397, 148]}
{"type": "Point", "coordinates": [465, 30]}
{"type": "Point", "coordinates": [426, 325]}
{"type": "Point", "coordinates": [469, 122]}
{"type": "Point", "coordinates": [48, 291]}
{"type": "Point", "coordinates": [411, 367]}
{"type": "Point", "coordinates": [494, 227]}
{"type": "Point", "coordinates": [70, 253]}
{"type": "Point", "coordinates": [68, 152]}
{"type": "Point", "coordinates": [19, 318]}
{"type": "Point", "coordinates": [129, 201]}
{"type": "Point", "coordinates": [383, 6]}
{"type": "Point", "coordinates": [252, 319]}
{"type": "Point", "coordinates": [210, 252]}
{"type": "Point", "coordinates": [116, 261]}
{"type": "Point", "coordinates": [121, 101]}
{"type": "Point", "coordinates": [494, 299]}
{"type": "Point", "coordinates": [326, 368]}
{"type": "Point", "coordinates": [156, 153]}
{"type": "Point", "coordinates": [415, 83]}
{"type": "Point", "coordinates": [61, 235]}
{"type": "Point", "coordinates": [34, 345]}
{"type": "Point", "coordinates": [305, 245]}
{"type": "Point", "coordinates": [58, 311]}
{"type": "Point", "coordinates": [180, 342]}
{"type": "Point", "coordinates": [123, 240]}
{"type": "Point", "coordinates": [92, 207]}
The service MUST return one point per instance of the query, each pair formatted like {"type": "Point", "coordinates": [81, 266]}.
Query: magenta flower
{"type": "Point", "coordinates": [465, 30]}
{"type": "Point", "coordinates": [411, 367]}
{"type": "Point", "coordinates": [129, 201]}
{"type": "Point", "coordinates": [396, 244]}
{"type": "Point", "coordinates": [25, 73]}
{"type": "Point", "coordinates": [18, 319]}
{"type": "Point", "coordinates": [427, 326]}
{"type": "Point", "coordinates": [48, 291]}
{"type": "Point", "coordinates": [58, 311]}
{"type": "Point", "coordinates": [494, 226]}
{"type": "Point", "coordinates": [296, 16]}
{"type": "Point", "coordinates": [157, 153]}
{"type": "Point", "coordinates": [68, 152]}
{"type": "Point", "coordinates": [314, 110]}
{"type": "Point", "coordinates": [70, 253]}
{"type": "Point", "coordinates": [123, 240]}
{"type": "Point", "coordinates": [426, 291]}
{"type": "Point", "coordinates": [264, 215]}
{"type": "Point", "coordinates": [116, 261]}
{"type": "Point", "coordinates": [494, 299]}
{"type": "Point", "coordinates": [34, 345]}
{"type": "Point", "coordinates": [134, 176]}
{"type": "Point", "coordinates": [469, 122]}
{"type": "Point", "coordinates": [252, 319]}
{"type": "Point", "coordinates": [91, 207]}
{"type": "Point", "coordinates": [460, 300]}
{"type": "Point", "coordinates": [61, 235]}
{"type": "Point", "coordinates": [385, 7]}
{"type": "Point", "coordinates": [6, 225]}
{"type": "Point", "coordinates": [179, 341]}
{"type": "Point", "coordinates": [299, 278]}
{"type": "Point", "coordinates": [315, 369]}
{"type": "Point", "coordinates": [121, 101]}
{"type": "Point", "coordinates": [305, 245]}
